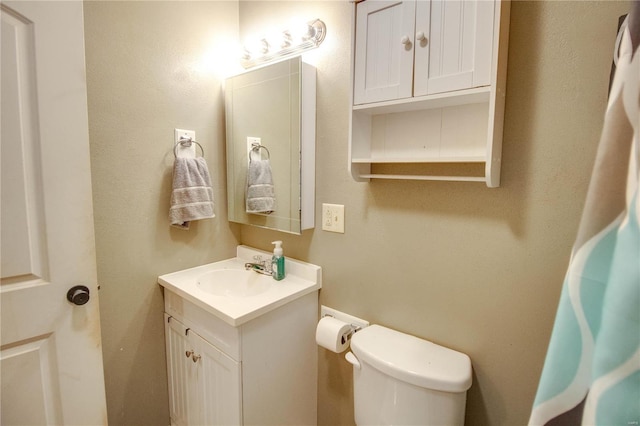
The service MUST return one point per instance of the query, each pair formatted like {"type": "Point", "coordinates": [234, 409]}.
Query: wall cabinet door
{"type": "Point", "coordinates": [383, 50]}
{"type": "Point", "coordinates": [453, 45]}
{"type": "Point", "coordinates": [204, 383]}
{"type": "Point", "coordinates": [416, 48]}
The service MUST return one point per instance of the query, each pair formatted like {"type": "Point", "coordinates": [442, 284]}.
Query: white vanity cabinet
{"type": "Point", "coordinates": [428, 87]}
{"type": "Point", "coordinates": [263, 372]}
{"type": "Point", "coordinates": [204, 383]}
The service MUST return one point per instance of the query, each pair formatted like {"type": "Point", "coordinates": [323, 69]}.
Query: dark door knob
{"type": "Point", "coordinates": [78, 295]}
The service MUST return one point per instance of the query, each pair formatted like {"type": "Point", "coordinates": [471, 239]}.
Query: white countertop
{"type": "Point", "coordinates": [301, 279]}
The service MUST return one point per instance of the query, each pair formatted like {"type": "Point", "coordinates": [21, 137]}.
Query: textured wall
{"type": "Point", "coordinates": [149, 71]}
{"type": "Point", "coordinates": [475, 269]}
{"type": "Point", "coordinates": [472, 268]}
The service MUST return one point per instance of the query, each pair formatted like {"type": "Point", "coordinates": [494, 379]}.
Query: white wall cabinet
{"type": "Point", "coordinates": [415, 48]}
{"type": "Point", "coordinates": [263, 372]}
{"type": "Point", "coordinates": [383, 64]}
{"type": "Point", "coordinates": [428, 87]}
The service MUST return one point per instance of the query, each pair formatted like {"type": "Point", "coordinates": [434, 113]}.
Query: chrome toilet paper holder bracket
{"type": "Point", "coordinates": [352, 330]}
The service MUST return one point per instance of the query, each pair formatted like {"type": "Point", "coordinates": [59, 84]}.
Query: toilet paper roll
{"type": "Point", "coordinates": [332, 334]}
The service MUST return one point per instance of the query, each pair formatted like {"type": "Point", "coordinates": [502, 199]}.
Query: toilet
{"type": "Point", "coordinates": [400, 379]}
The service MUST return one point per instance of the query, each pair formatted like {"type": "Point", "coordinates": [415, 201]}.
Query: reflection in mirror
{"type": "Point", "coordinates": [270, 121]}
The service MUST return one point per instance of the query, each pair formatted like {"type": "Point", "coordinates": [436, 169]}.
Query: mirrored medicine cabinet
{"type": "Point", "coordinates": [273, 106]}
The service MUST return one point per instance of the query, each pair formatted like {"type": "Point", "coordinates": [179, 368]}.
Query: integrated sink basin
{"type": "Point", "coordinates": [236, 295]}
{"type": "Point", "coordinates": [234, 283]}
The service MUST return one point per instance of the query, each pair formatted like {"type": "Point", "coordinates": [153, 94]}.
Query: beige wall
{"type": "Point", "coordinates": [143, 61]}
{"type": "Point", "coordinates": [472, 268]}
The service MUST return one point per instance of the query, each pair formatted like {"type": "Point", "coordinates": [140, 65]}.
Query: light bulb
{"type": "Point", "coordinates": [301, 31]}
{"type": "Point", "coordinates": [264, 46]}
{"type": "Point", "coordinates": [287, 40]}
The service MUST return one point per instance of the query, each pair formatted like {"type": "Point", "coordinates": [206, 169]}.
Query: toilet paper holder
{"type": "Point", "coordinates": [356, 324]}
{"type": "Point", "coordinates": [349, 333]}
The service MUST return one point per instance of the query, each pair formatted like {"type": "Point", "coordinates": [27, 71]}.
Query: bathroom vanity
{"type": "Point", "coordinates": [240, 345]}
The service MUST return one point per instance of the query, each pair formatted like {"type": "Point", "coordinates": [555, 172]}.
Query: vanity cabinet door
{"type": "Point", "coordinates": [383, 50]}
{"type": "Point", "coordinates": [180, 372]}
{"type": "Point", "coordinates": [204, 383]}
{"type": "Point", "coordinates": [453, 45]}
{"type": "Point", "coordinates": [218, 385]}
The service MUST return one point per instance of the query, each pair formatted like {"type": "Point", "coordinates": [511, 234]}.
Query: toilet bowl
{"type": "Point", "coordinates": [400, 379]}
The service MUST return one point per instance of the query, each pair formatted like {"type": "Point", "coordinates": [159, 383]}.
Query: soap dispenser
{"type": "Point", "coordinates": [277, 261]}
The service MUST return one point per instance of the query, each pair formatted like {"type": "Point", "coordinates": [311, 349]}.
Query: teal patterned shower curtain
{"type": "Point", "coordinates": [591, 374]}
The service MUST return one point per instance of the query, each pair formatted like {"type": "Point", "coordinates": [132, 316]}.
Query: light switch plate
{"type": "Point", "coordinates": [333, 218]}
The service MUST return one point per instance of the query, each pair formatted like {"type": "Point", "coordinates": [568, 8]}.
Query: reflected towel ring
{"type": "Point", "coordinates": [257, 147]}
{"type": "Point", "coordinates": [185, 142]}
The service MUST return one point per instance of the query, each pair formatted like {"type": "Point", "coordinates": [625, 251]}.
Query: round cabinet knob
{"type": "Point", "coordinates": [420, 36]}
{"type": "Point", "coordinates": [78, 295]}
{"type": "Point", "coordinates": [196, 358]}
{"type": "Point", "coordinates": [405, 40]}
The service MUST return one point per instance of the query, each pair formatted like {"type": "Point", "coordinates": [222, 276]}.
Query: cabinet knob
{"type": "Point", "coordinates": [188, 353]}
{"type": "Point", "coordinates": [195, 357]}
{"type": "Point", "coordinates": [421, 36]}
{"type": "Point", "coordinates": [405, 40]}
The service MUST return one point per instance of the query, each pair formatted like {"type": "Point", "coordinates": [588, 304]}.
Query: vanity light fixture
{"type": "Point", "coordinates": [288, 42]}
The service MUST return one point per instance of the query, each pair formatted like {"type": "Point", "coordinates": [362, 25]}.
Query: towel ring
{"type": "Point", "coordinates": [257, 147]}
{"type": "Point", "coordinates": [185, 142]}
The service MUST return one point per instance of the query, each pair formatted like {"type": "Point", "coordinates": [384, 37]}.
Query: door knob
{"type": "Point", "coordinates": [78, 295]}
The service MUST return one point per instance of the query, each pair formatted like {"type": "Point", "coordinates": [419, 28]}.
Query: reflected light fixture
{"type": "Point", "coordinates": [286, 43]}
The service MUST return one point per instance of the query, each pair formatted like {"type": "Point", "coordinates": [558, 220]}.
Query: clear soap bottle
{"type": "Point", "coordinates": [277, 261]}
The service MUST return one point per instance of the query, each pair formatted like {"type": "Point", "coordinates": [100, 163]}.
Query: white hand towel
{"type": "Point", "coordinates": [192, 195]}
{"type": "Point", "coordinates": [260, 197]}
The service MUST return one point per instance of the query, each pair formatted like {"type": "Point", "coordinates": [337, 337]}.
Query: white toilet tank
{"type": "Point", "coordinates": [400, 379]}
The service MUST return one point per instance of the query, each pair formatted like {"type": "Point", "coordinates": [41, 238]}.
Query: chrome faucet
{"type": "Point", "coordinates": [259, 265]}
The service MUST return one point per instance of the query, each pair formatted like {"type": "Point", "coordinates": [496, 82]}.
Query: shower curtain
{"type": "Point", "coordinates": [591, 374]}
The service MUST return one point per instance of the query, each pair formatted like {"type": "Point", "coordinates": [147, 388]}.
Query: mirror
{"type": "Point", "coordinates": [270, 114]}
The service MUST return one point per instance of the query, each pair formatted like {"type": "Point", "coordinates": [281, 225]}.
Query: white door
{"type": "Point", "coordinates": [383, 50]}
{"type": "Point", "coordinates": [453, 45]}
{"type": "Point", "coordinates": [50, 353]}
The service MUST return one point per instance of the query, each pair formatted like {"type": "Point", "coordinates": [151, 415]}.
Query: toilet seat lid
{"type": "Point", "coordinates": [413, 360]}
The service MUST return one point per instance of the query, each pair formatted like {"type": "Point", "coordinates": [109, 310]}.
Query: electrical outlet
{"type": "Point", "coordinates": [333, 218]}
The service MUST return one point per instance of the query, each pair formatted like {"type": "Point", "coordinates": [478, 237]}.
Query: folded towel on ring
{"type": "Point", "coordinates": [260, 195]}
{"type": "Point", "coordinates": [192, 195]}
